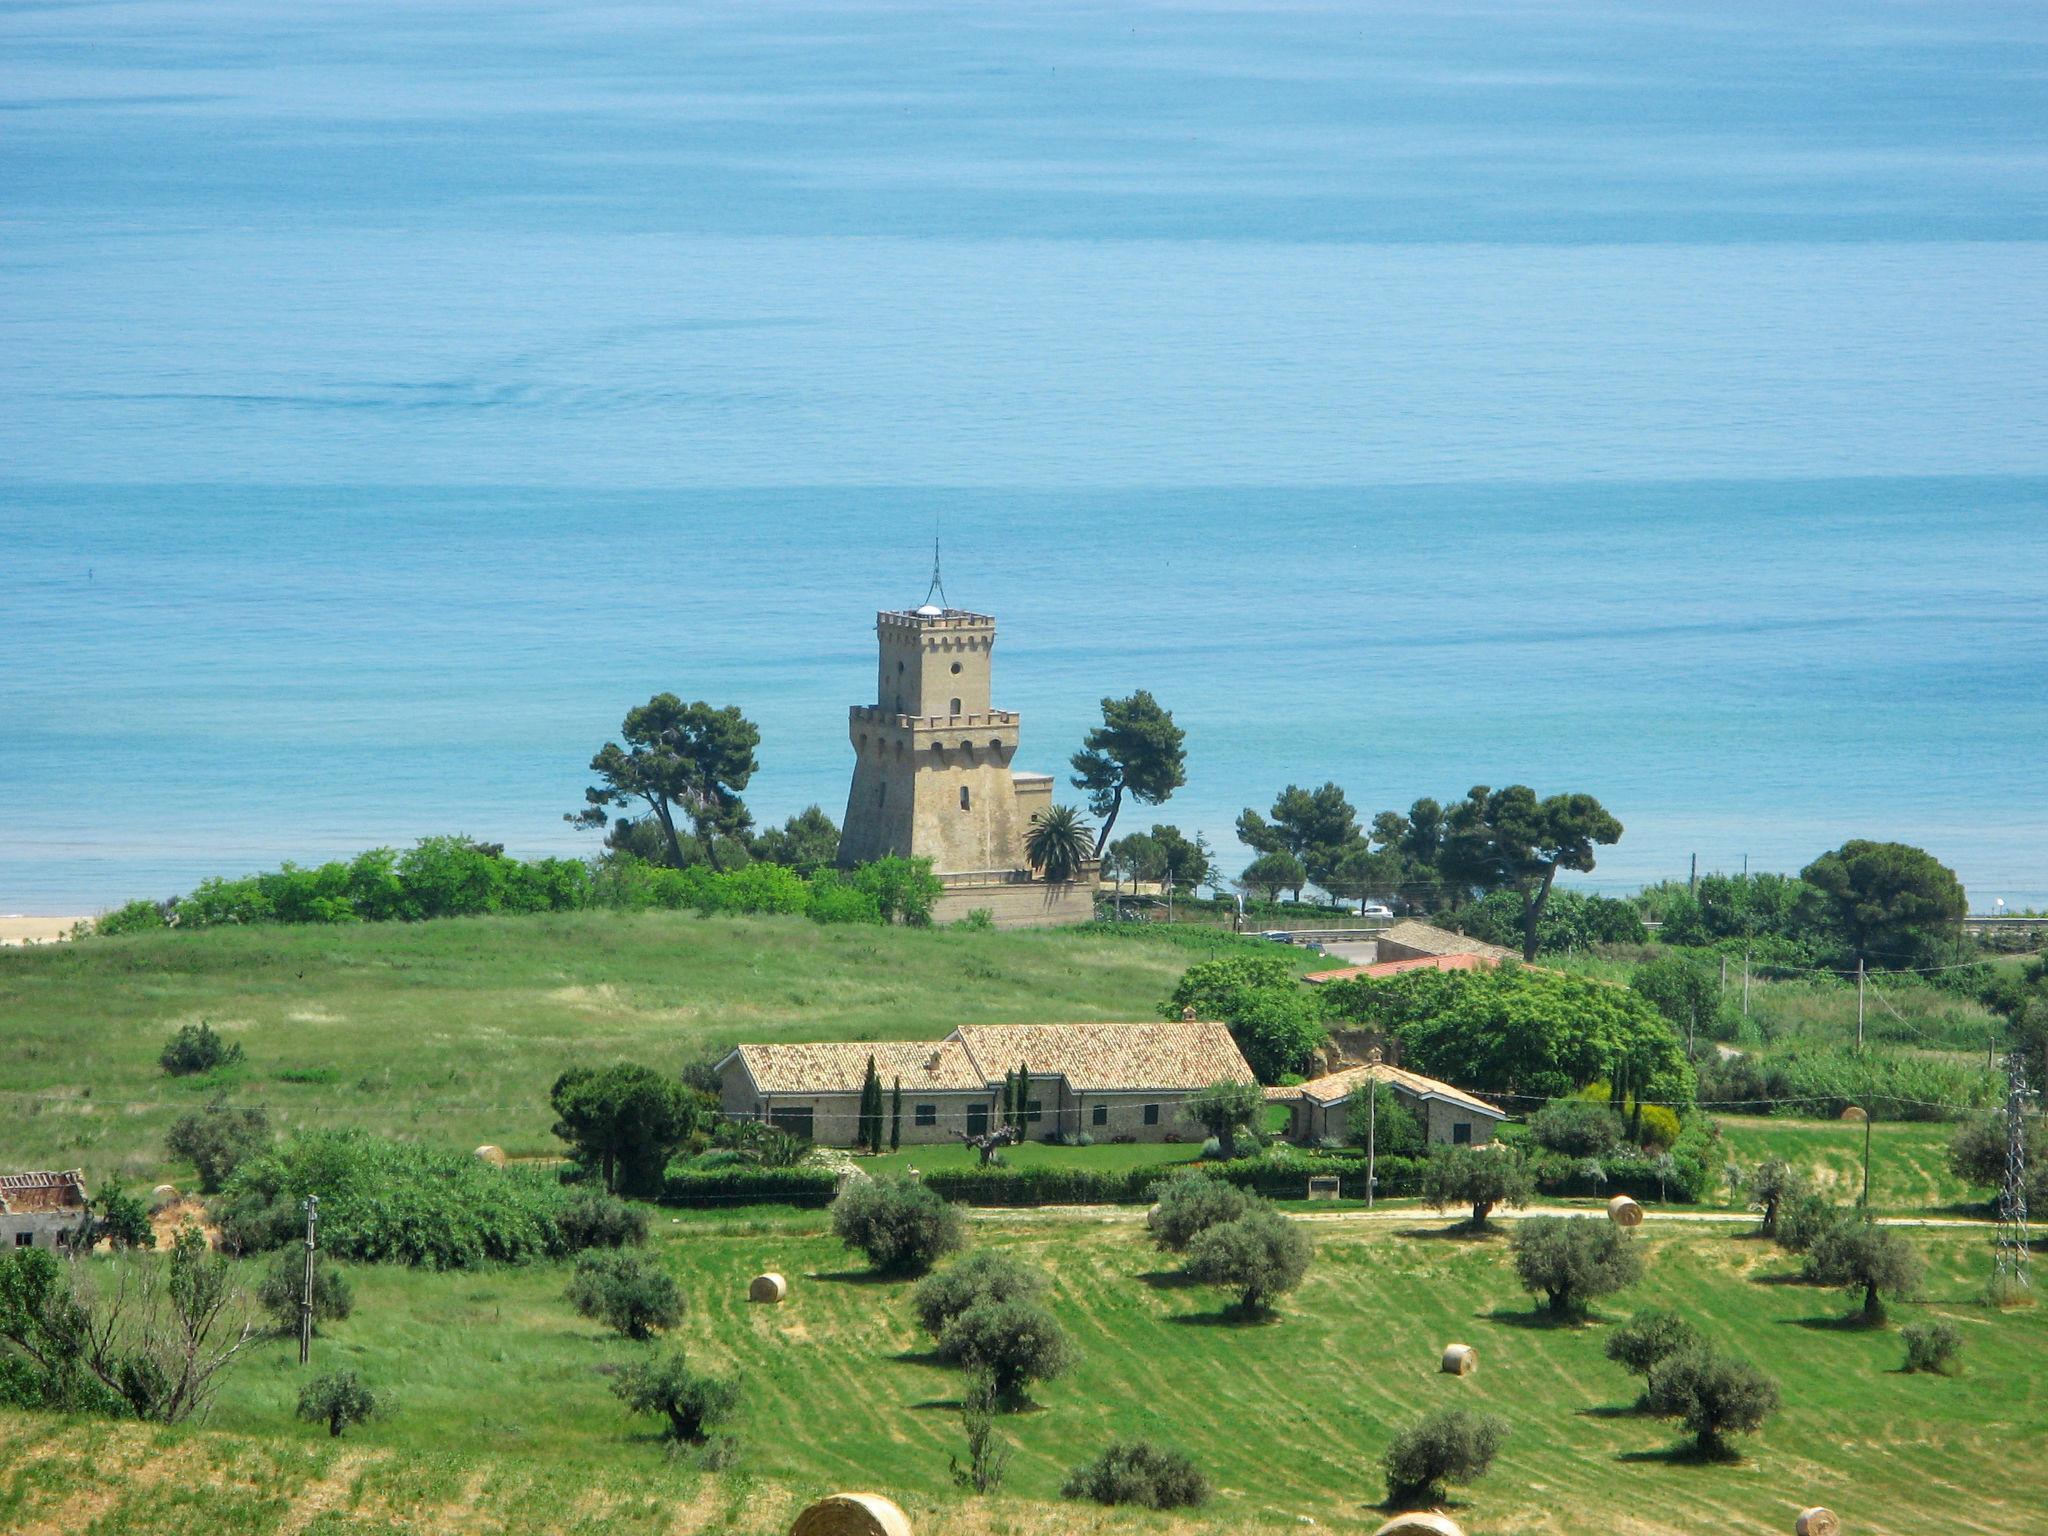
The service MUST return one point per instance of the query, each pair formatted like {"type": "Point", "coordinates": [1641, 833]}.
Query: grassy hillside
{"type": "Point", "coordinates": [505, 1423]}
{"type": "Point", "coordinates": [1908, 1162]}
{"type": "Point", "coordinates": [455, 1029]}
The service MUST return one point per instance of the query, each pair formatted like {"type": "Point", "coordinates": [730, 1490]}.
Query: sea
{"type": "Point", "coordinates": [1644, 399]}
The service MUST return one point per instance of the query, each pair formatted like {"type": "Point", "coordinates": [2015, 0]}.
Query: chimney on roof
{"type": "Point", "coordinates": [1187, 1015]}
{"type": "Point", "coordinates": [931, 1062]}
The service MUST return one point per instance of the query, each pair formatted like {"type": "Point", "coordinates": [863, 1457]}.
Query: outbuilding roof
{"type": "Point", "coordinates": [21, 1193]}
{"type": "Point", "coordinates": [1432, 940]}
{"type": "Point", "coordinates": [1338, 1086]}
{"type": "Point", "coordinates": [1104, 1058]}
{"type": "Point", "coordinates": [1396, 967]}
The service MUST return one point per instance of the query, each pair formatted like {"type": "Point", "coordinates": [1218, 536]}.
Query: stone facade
{"type": "Point", "coordinates": [933, 773]}
{"type": "Point", "coordinates": [36, 1209]}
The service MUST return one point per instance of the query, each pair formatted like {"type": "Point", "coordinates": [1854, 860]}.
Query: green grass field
{"type": "Point", "coordinates": [1909, 1172]}
{"type": "Point", "coordinates": [504, 1423]}
{"type": "Point", "coordinates": [453, 1030]}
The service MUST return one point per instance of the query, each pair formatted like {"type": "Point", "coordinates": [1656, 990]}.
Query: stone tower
{"type": "Point", "coordinates": [931, 774]}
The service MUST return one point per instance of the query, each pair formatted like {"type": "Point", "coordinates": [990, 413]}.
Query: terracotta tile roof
{"type": "Point", "coordinates": [1339, 1086]}
{"type": "Point", "coordinates": [24, 1192]}
{"type": "Point", "coordinates": [841, 1066]}
{"type": "Point", "coordinates": [1100, 1058]}
{"type": "Point", "coordinates": [1396, 967]}
{"type": "Point", "coordinates": [1432, 940]}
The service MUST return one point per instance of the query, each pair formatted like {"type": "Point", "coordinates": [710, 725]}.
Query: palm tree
{"type": "Point", "coordinates": [1058, 843]}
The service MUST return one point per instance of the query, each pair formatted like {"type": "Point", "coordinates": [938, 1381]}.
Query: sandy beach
{"type": "Point", "coordinates": [36, 930]}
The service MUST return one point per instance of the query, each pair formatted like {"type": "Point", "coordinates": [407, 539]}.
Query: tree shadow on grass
{"type": "Point", "coordinates": [1168, 1279]}
{"type": "Point", "coordinates": [1538, 1317]}
{"type": "Point", "coordinates": [1232, 1316]}
{"type": "Point", "coordinates": [858, 1277]}
{"type": "Point", "coordinates": [920, 1357]}
{"type": "Point", "coordinates": [1635, 1410]}
{"type": "Point", "coordinates": [1457, 1232]}
{"type": "Point", "coordinates": [1415, 1503]}
{"type": "Point", "coordinates": [1782, 1277]}
{"type": "Point", "coordinates": [1854, 1322]}
{"type": "Point", "coordinates": [1685, 1453]}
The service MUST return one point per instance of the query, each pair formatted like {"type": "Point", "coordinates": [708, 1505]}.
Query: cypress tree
{"type": "Point", "coordinates": [896, 1116]}
{"type": "Point", "coordinates": [870, 1129]}
{"type": "Point", "coordinates": [1023, 1098]}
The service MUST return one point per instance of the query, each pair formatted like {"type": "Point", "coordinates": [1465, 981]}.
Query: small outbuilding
{"type": "Point", "coordinates": [36, 1209]}
{"type": "Point", "coordinates": [1320, 1110]}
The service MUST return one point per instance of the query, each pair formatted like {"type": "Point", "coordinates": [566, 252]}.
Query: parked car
{"type": "Point", "coordinates": [1373, 909]}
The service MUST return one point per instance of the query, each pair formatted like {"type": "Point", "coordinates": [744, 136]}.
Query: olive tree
{"type": "Point", "coordinates": [666, 1387]}
{"type": "Point", "coordinates": [1013, 1343]}
{"type": "Point", "coordinates": [1862, 1255]}
{"type": "Point", "coordinates": [1225, 1109]}
{"type": "Point", "coordinates": [339, 1400]}
{"type": "Point", "coordinates": [1714, 1395]}
{"type": "Point", "coordinates": [1186, 1206]}
{"type": "Point", "coordinates": [1573, 1259]}
{"type": "Point", "coordinates": [904, 1227]}
{"type": "Point", "coordinates": [980, 1277]}
{"type": "Point", "coordinates": [1475, 1177]}
{"type": "Point", "coordinates": [1260, 1255]}
{"type": "Point", "coordinates": [631, 1293]}
{"type": "Point", "coordinates": [1450, 1445]}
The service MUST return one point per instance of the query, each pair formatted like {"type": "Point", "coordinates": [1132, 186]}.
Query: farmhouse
{"type": "Point", "coordinates": [1320, 1109]}
{"type": "Point", "coordinates": [37, 1208]}
{"type": "Point", "coordinates": [1109, 1081]}
{"type": "Point", "coordinates": [1410, 945]}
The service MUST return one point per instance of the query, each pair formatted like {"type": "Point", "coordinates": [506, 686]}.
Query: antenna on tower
{"type": "Point", "coordinates": [938, 585]}
{"type": "Point", "coordinates": [2014, 1240]}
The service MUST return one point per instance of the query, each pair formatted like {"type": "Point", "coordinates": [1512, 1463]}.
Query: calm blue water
{"type": "Point", "coordinates": [1648, 400]}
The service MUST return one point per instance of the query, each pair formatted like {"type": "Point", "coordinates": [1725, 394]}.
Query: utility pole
{"type": "Point", "coordinates": [1859, 1005]}
{"type": "Point", "coordinates": [1372, 1147]}
{"type": "Point", "coordinates": [1724, 973]}
{"type": "Point", "coordinates": [1865, 1201]}
{"type": "Point", "coordinates": [306, 1287]}
{"type": "Point", "coordinates": [1745, 983]}
{"type": "Point", "coordinates": [1692, 881]}
{"type": "Point", "coordinates": [2013, 1237]}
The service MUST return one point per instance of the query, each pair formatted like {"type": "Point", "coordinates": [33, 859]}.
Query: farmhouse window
{"type": "Point", "coordinates": [927, 1114]}
{"type": "Point", "coordinates": [977, 1119]}
{"type": "Point", "coordinates": [1034, 1111]}
{"type": "Point", "coordinates": [1461, 1133]}
{"type": "Point", "coordinates": [24, 1239]}
{"type": "Point", "coordinates": [798, 1122]}
{"type": "Point", "coordinates": [1101, 1114]}
{"type": "Point", "coordinates": [1151, 1114]}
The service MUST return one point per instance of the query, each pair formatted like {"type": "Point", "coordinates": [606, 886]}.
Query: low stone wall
{"type": "Point", "coordinates": [1018, 905]}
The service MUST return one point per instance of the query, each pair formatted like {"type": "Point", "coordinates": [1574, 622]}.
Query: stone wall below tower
{"type": "Point", "coordinates": [1018, 903]}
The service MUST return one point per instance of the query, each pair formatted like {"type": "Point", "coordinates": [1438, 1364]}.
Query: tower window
{"type": "Point", "coordinates": [899, 669]}
{"type": "Point", "coordinates": [956, 669]}
{"type": "Point", "coordinates": [995, 746]}
{"type": "Point", "coordinates": [956, 706]}
{"type": "Point", "coordinates": [938, 753]}
{"type": "Point", "coordinates": [881, 794]}
{"type": "Point", "coordinates": [963, 797]}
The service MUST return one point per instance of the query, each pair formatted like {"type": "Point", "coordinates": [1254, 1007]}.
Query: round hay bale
{"type": "Point", "coordinates": [852, 1514]}
{"type": "Point", "coordinates": [1818, 1522]}
{"type": "Point", "coordinates": [1853, 1114]}
{"type": "Point", "coordinates": [163, 1197]}
{"type": "Point", "coordinates": [1421, 1522]}
{"type": "Point", "coordinates": [1624, 1212]}
{"type": "Point", "coordinates": [1460, 1360]}
{"type": "Point", "coordinates": [487, 1153]}
{"type": "Point", "coordinates": [769, 1287]}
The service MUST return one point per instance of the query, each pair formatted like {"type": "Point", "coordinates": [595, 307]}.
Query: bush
{"type": "Point", "coordinates": [1715, 1395]}
{"type": "Point", "coordinates": [980, 1277]}
{"type": "Point", "coordinates": [1260, 1255]}
{"type": "Point", "coordinates": [1807, 1220]}
{"type": "Point", "coordinates": [1190, 1204]}
{"type": "Point", "coordinates": [122, 1220]}
{"type": "Point", "coordinates": [1451, 1445]}
{"type": "Point", "coordinates": [1227, 1111]}
{"type": "Point", "coordinates": [723, 1188]}
{"type": "Point", "coordinates": [1012, 1342]}
{"type": "Point", "coordinates": [1481, 1179]}
{"type": "Point", "coordinates": [283, 1289]}
{"type": "Point", "coordinates": [197, 1048]}
{"type": "Point", "coordinates": [393, 1202]}
{"type": "Point", "coordinates": [339, 1399]}
{"type": "Point", "coordinates": [1139, 1472]}
{"type": "Point", "coordinates": [1649, 1337]}
{"type": "Point", "coordinates": [988, 1453]}
{"type": "Point", "coordinates": [1935, 1344]}
{"type": "Point", "coordinates": [903, 1227]}
{"type": "Point", "coordinates": [132, 917]}
{"type": "Point", "coordinates": [625, 1121]}
{"type": "Point", "coordinates": [1573, 1259]}
{"type": "Point", "coordinates": [1395, 1130]}
{"type": "Point", "coordinates": [666, 1387]}
{"type": "Point", "coordinates": [834, 901]}
{"type": "Point", "coordinates": [1576, 1127]}
{"type": "Point", "coordinates": [218, 1139]}
{"type": "Point", "coordinates": [631, 1293]}
{"type": "Point", "coordinates": [592, 1219]}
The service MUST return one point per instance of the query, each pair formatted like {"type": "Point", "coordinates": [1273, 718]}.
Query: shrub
{"type": "Point", "coordinates": [666, 1387]}
{"type": "Point", "coordinates": [1715, 1395]}
{"type": "Point", "coordinates": [1139, 1472]}
{"type": "Point", "coordinates": [834, 901]}
{"type": "Point", "coordinates": [283, 1289]}
{"type": "Point", "coordinates": [1451, 1445]}
{"type": "Point", "coordinates": [1650, 1337]}
{"type": "Point", "coordinates": [980, 1277]}
{"type": "Point", "coordinates": [1573, 1259]}
{"type": "Point", "coordinates": [592, 1219]}
{"type": "Point", "coordinates": [988, 1453]}
{"type": "Point", "coordinates": [197, 1048]}
{"type": "Point", "coordinates": [1376, 1110]}
{"type": "Point", "coordinates": [1657, 1127]}
{"type": "Point", "coordinates": [1935, 1344]}
{"type": "Point", "coordinates": [339, 1399]}
{"type": "Point", "coordinates": [1260, 1255]}
{"type": "Point", "coordinates": [903, 1227]}
{"type": "Point", "coordinates": [218, 1139]}
{"type": "Point", "coordinates": [1862, 1255]}
{"type": "Point", "coordinates": [393, 1202]}
{"type": "Point", "coordinates": [1773, 1185]}
{"type": "Point", "coordinates": [1481, 1179]}
{"type": "Point", "coordinates": [1190, 1204]}
{"type": "Point", "coordinates": [630, 1293]}
{"type": "Point", "coordinates": [1576, 1127]}
{"type": "Point", "coordinates": [1013, 1343]}
{"type": "Point", "coordinates": [1226, 1110]}
{"type": "Point", "coordinates": [1806, 1222]}
{"type": "Point", "coordinates": [143, 916]}
{"type": "Point", "coordinates": [122, 1220]}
